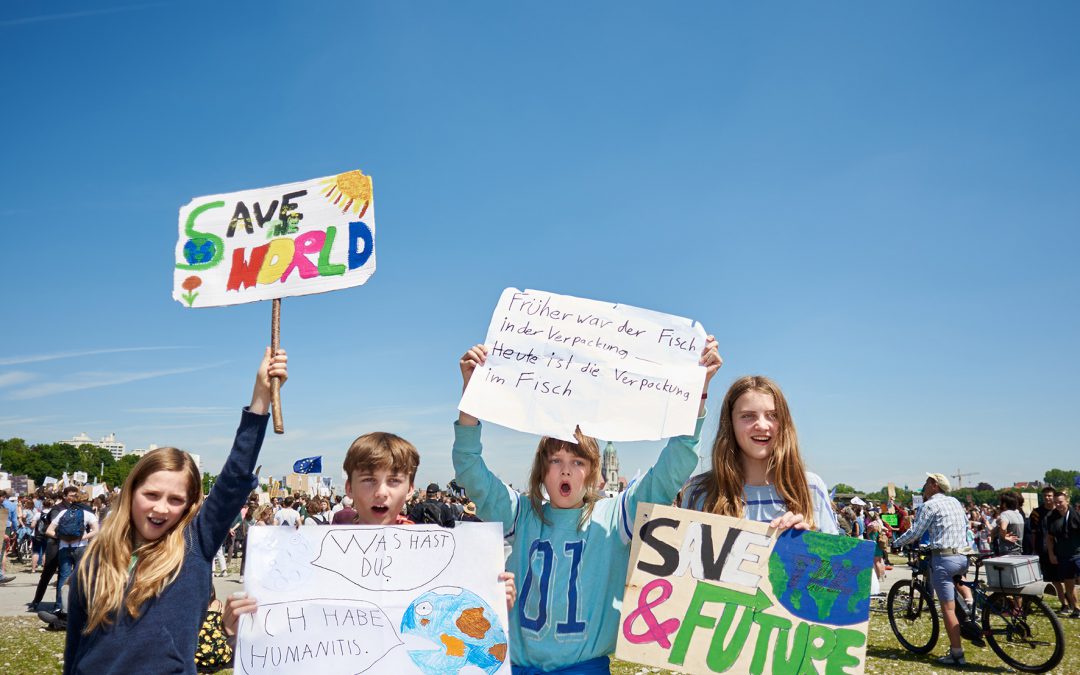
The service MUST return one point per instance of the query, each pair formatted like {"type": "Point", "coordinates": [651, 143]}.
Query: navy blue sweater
{"type": "Point", "coordinates": [163, 638]}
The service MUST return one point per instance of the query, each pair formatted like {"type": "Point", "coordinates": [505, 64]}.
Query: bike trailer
{"type": "Point", "coordinates": [1012, 571]}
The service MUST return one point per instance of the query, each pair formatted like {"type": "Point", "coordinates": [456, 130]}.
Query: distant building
{"type": "Point", "coordinates": [609, 470]}
{"type": "Point", "coordinates": [109, 442]}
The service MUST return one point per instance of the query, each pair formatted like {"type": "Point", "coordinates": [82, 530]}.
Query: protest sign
{"type": "Point", "coordinates": [707, 593]}
{"type": "Point", "coordinates": [890, 519]}
{"type": "Point", "coordinates": [916, 501]}
{"type": "Point", "coordinates": [556, 362]}
{"type": "Point", "coordinates": [294, 239]}
{"type": "Point", "coordinates": [392, 599]}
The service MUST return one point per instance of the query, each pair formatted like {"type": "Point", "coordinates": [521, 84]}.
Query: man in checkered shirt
{"type": "Point", "coordinates": [944, 519]}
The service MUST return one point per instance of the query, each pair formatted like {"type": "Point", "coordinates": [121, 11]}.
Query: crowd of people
{"type": "Point", "coordinates": [142, 563]}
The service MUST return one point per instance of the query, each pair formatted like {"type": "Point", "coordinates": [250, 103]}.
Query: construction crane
{"type": "Point", "coordinates": [960, 477]}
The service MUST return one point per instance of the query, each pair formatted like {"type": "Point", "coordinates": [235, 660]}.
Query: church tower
{"type": "Point", "coordinates": [609, 468]}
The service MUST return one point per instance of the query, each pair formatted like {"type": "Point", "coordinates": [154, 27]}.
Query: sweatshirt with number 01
{"type": "Point", "coordinates": [570, 580]}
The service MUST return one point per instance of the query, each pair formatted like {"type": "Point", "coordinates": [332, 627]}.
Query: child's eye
{"type": "Point", "coordinates": [771, 416]}
{"type": "Point", "coordinates": [177, 501]}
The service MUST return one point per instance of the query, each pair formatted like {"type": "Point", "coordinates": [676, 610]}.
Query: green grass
{"type": "Point", "coordinates": [28, 649]}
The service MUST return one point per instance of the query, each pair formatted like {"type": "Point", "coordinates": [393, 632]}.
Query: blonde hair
{"type": "Point", "coordinates": [382, 450]}
{"type": "Point", "coordinates": [103, 571]}
{"type": "Point", "coordinates": [723, 484]}
{"type": "Point", "coordinates": [586, 448]}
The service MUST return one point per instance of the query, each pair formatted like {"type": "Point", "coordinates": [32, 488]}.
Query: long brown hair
{"type": "Point", "coordinates": [586, 448]}
{"type": "Point", "coordinates": [723, 484]}
{"type": "Point", "coordinates": [103, 572]}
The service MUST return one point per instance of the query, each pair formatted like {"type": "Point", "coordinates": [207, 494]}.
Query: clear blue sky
{"type": "Point", "coordinates": [875, 204]}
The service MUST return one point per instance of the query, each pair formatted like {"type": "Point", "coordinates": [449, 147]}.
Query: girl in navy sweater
{"type": "Point", "coordinates": [141, 587]}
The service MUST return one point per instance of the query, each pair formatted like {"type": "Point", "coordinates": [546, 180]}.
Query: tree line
{"type": "Point", "coordinates": [983, 493]}
{"type": "Point", "coordinates": [53, 459]}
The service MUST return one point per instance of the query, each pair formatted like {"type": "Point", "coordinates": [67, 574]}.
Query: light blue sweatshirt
{"type": "Point", "coordinates": [570, 580]}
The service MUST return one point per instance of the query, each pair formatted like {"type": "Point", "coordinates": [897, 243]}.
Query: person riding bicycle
{"type": "Point", "coordinates": [944, 519]}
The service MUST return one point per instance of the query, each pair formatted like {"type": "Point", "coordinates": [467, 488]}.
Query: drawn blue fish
{"type": "Point", "coordinates": [461, 628]}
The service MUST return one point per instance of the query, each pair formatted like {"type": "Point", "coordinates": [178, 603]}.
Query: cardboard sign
{"type": "Point", "coordinates": [557, 362]}
{"type": "Point", "coordinates": [708, 593]}
{"type": "Point", "coordinates": [393, 599]}
{"type": "Point", "coordinates": [294, 239]}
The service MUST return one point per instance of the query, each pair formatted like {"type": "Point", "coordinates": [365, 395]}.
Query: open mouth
{"type": "Point", "coordinates": [564, 489]}
{"type": "Point", "coordinates": [156, 522]}
{"type": "Point", "coordinates": [761, 440]}
{"type": "Point", "coordinates": [380, 509]}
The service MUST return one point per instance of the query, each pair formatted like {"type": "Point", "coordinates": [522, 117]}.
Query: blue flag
{"type": "Point", "coordinates": [308, 465]}
{"type": "Point", "coordinates": [1076, 481]}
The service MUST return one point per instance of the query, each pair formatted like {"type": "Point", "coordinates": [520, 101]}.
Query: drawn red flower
{"type": "Point", "coordinates": [191, 283]}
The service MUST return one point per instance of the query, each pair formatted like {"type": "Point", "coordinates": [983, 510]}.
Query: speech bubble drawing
{"type": "Point", "coordinates": [282, 564]}
{"type": "Point", "coordinates": [387, 558]}
{"type": "Point", "coordinates": [322, 635]}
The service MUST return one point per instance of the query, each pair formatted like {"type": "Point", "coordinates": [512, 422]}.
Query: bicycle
{"type": "Point", "coordinates": [910, 605]}
{"type": "Point", "coordinates": [1016, 622]}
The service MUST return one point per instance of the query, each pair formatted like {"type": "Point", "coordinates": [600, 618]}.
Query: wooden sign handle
{"type": "Point", "coordinates": [275, 383]}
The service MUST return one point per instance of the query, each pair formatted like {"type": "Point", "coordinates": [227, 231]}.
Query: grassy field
{"type": "Point", "coordinates": [27, 649]}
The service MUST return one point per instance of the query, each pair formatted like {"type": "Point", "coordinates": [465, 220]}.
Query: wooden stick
{"type": "Point", "coordinates": [275, 383]}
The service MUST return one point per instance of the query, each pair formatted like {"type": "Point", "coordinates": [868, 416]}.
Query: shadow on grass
{"type": "Point", "coordinates": [904, 656]}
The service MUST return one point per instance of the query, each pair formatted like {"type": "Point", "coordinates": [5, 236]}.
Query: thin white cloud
{"type": "Point", "coordinates": [76, 15]}
{"type": "Point", "coordinates": [186, 410]}
{"type": "Point", "coordinates": [23, 421]}
{"type": "Point", "coordinates": [93, 380]}
{"type": "Point", "coordinates": [36, 358]}
{"type": "Point", "coordinates": [15, 377]}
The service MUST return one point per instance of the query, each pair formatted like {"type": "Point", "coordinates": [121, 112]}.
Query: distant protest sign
{"type": "Point", "coordinates": [295, 239]}
{"type": "Point", "coordinates": [708, 593]}
{"type": "Point", "coordinates": [393, 599]}
{"type": "Point", "coordinates": [556, 362]}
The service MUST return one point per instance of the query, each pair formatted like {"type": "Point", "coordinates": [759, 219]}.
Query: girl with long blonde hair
{"type": "Point", "coordinates": [141, 587]}
{"type": "Point", "coordinates": [570, 546]}
{"type": "Point", "coordinates": [757, 470]}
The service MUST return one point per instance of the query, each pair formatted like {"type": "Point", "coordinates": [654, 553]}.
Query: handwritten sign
{"type": "Point", "coordinates": [622, 373]}
{"type": "Point", "coordinates": [294, 239]}
{"type": "Point", "coordinates": [412, 599]}
{"type": "Point", "coordinates": [708, 593]}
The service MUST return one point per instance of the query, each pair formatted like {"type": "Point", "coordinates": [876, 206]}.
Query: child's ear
{"type": "Point", "coordinates": [348, 486]}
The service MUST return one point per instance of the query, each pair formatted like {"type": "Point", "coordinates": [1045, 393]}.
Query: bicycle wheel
{"type": "Point", "coordinates": [1023, 631]}
{"type": "Point", "coordinates": [913, 616]}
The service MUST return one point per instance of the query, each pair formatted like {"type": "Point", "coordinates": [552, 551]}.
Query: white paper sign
{"type": "Point", "coordinates": [393, 599]}
{"type": "Point", "coordinates": [621, 373]}
{"type": "Point", "coordinates": [307, 237]}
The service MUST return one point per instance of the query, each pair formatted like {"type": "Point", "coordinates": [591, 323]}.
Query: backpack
{"type": "Point", "coordinates": [429, 513]}
{"type": "Point", "coordinates": [41, 527]}
{"type": "Point", "coordinates": [70, 525]}
{"type": "Point", "coordinates": [320, 519]}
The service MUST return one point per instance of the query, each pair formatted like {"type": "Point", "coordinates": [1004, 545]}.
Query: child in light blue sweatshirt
{"type": "Point", "coordinates": [570, 553]}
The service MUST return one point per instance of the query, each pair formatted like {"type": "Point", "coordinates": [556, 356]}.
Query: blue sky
{"type": "Point", "coordinates": [874, 204]}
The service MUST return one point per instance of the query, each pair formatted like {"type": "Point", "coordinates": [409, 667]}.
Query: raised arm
{"type": "Point", "coordinates": [237, 478]}
{"type": "Point", "coordinates": [495, 501]}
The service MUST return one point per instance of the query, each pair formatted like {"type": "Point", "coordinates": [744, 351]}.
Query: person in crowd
{"type": "Point", "coordinates": [468, 514]}
{"type": "Point", "coordinates": [147, 575]}
{"type": "Point", "coordinates": [74, 528]}
{"type": "Point", "coordinates": [944, 518]}
{"type": "Point", "coordinates": [573, 627]}
{"type": "Point", "coordinates": [315, 515]}
{"type": "Point", "coordinates": [1063, 549]}
{"type": "Point", "coordinates": [287, 515]}
{"type": "Point", "coordinates": [1037, 525]}
{"type": "Point", "coordinates": [1009, 522]}
{"type": "Point", "coordinates": [432, 510]}
{"type": "Point", "coordinates": [347, 514]}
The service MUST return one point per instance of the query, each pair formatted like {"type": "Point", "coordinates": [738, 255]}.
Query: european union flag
{"type": "Point", "coordinates": [308, 465]}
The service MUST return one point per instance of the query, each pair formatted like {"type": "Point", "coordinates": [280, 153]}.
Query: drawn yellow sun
{"type": "Point", "coordinates": [351, 189]}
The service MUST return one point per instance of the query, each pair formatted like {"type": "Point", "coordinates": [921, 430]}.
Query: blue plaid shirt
{"type": "Point", "coordinates": [946, 521]}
